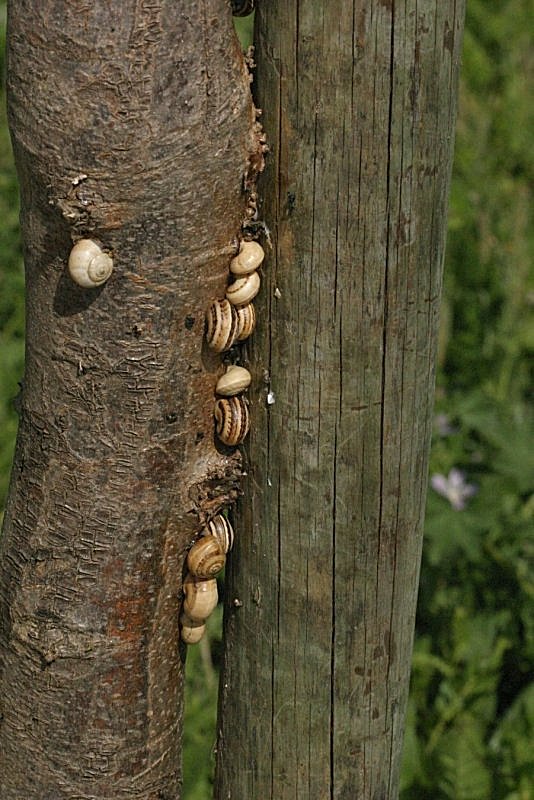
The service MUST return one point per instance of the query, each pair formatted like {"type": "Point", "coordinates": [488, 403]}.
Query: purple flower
{"type": "Point", "coordinates": [454, 488]}
{"type": "Point", "coordinates": [443, 425]}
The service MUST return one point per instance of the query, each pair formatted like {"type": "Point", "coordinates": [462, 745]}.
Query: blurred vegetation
{"type": "Point", "coordinates": [11, 289]}
{"type": "Point", "coordinates": [470, 729]}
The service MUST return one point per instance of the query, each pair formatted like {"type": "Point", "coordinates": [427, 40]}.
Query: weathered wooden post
{"type": "Point", "coordinates": [359, 104]}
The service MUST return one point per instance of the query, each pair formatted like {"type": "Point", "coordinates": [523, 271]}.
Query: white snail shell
{"type": "Point", "coordinates": [200, 598]}
{"type": "Point", "coordinates": [249, 259]}
{"type": "Point", "coordinates": [246, 321]}
{"type": "Point", "coordinates": [235, 380]}
{"type": "Point", "coordinates": [244, 289]}
{"type": "Point", "coordinates": [206, 557]}
{"type": "Point", "coordinates": [192, 632]}
{"type": "Point", "coordinates": [88, 265]}
{"type": "Point", "coordinates": [221, 325]}
{"type": "Point", "coordinates": [220, 528]}
{"type": "Point", "coordinates": [232, 420]}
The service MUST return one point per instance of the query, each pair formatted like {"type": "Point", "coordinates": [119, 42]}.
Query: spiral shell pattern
{"type": "Point", "coordinates": [248, 260]}
{"type": "Point", "coordinates": [220, 529]}
{"type": "Point", "coordinates": [221, 325]}
{"type": "Point", "coordinates": [206, 558]}
{"type": "Point", "coordinates": [88, 265]}
{"type": "Point", "coordinates": [246, 321]}
{"type": "Point", "coordinates": [244, 289]}
{"type": "Point", "coordinates": [232, 421]}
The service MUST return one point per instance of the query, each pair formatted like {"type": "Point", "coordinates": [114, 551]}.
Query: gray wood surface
{"type": "Point", "coordinates": [359, 105]}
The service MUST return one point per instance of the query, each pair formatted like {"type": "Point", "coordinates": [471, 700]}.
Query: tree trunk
{"type": "Point", "coordinates": [133, 125]}
{"type": "Point", "coordinates": [359, 103]}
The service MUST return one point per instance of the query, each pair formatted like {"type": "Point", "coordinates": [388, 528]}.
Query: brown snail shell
{"type": "Point", "coordinates": [221, 325]}
{"type": "Point", "coordinates": [206, 558]}
{"type": "Point", "coordinates": [232, 420]}
{"type": "Point", "coordinates": [246, 321]}
{"type": "Point", "coordinates": [235, 380]}
{"type": "Point", "coordinates": [220, 529]}
{"type": "Point", "coordinates": [248, 260]}
{"type": "Point", "coordinates": [244, 289]}
{"type": "Point", "coordinates": [200, 598]}
{"type": "Point", "coordinates": [192, 632]}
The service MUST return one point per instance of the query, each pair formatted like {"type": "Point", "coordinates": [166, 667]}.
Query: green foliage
{"type": "Point", "coordinates": [489, 280]}
{"type": "Point", "coordinates": [201, 711]}
{"type": "Point", "coordinates": [470, 723]}
{"type": "Point", "coordinates": [11, 289]}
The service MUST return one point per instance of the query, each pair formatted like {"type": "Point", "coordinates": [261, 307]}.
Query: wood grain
{"type": "Point", "coordinates": [359, 104]}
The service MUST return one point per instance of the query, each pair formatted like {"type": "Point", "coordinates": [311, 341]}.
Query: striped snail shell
{"type": "Point", "coordinates": [192, 632]}
{"type": "Point", "coordinates": [221, 325]}
{"type": "Point", "coordinates": [235, 380]}
{"type": "Point", "coordinates": [200, 598]}
{"type": "Point", "coordinates": [246, 321]}
{"type": "Point", "coordinates": [241, 8]}
{"type": "Point", "coordinates": [88, 265]}
{"type": "Point", "coordinates": [244, 289]}
{"type": "Point", "coordinates": [232, 420]}
{"type": "Point", "coordinates": [220, 529]}
{"type": "Point", "coordinates": [249, 258]}
{"type": "Point", "coordinates": [206, 558]}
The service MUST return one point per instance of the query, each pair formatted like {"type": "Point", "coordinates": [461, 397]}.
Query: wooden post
{"type": "Point", "coordinates": [359, 105]}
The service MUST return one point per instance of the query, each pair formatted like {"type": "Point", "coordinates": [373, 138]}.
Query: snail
{"type": "Point", "coordinates": [200, 598]}
{"type": "Point", "coordinates": [248, 260]}
{"type": "Point", "coordinates": [221, 325]}
{"type": "Point", "coordinates": [192, 632]}
{"type": "Point", "coordinates": [242, 8]}
{"type": "Point", "coordinates": [235, 380]}
{"type": "Point", "coordinates": [244, 289]}
{"type": "Point", "coordinates": [232, 420]}
{"type": "Point", "coordinates": [246, 321]}
{"type": "Point", "coordinates": [220, 528]}
{"type": "Point", "coordinates": [88, 265]}
{"type": "Point", "coordinates": [206, 558]}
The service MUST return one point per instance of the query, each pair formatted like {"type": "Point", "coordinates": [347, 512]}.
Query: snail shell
{"type": "Point", "coordinates": [249, 259]}
{"type": "Point", "coordinates": [221, 325]}
{"type": "Point", "coordinates": [192, 632]}
{"type": "Point", "coordinates": [241, 8]}
{"type": "Point", "coordinates": [246, 322]}
{"type": "Point", "coordinates": [235, 380]}
{"type": "Point", "coordinates": [244, 289]}
{"type": "Point", "coordinates": [220, 529]}
{"type": "Point", "coordinates": [88, 265]}
{"type": "Point", "coordinates": [232, 420]}
{"type": "Point", "coordinates": [206, 558]}
{"type": "Point", "coordinates": [200, 598]}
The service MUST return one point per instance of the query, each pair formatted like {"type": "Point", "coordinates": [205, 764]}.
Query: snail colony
{"type": "Point", "coordinates": [228, 321]}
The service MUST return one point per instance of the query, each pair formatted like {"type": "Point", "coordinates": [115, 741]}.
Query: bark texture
{"type": "Point", "coordinates": [359, 104]}
{"type": "Point", "coordinates": [132, 124]}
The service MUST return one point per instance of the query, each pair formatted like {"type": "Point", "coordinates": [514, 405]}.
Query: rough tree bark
{"type": "Point", "coordinates": [359, 104]}
{"type": "Point", "coordinates": [132, 123]}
